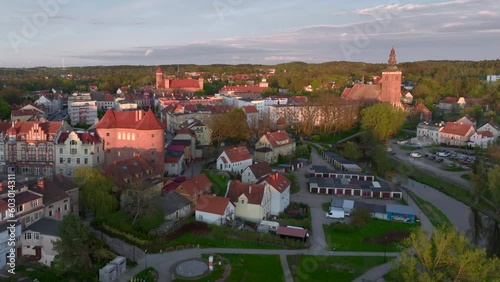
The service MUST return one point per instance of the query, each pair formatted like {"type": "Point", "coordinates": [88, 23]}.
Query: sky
{"type": "Point", "coordinates": [158, 32]}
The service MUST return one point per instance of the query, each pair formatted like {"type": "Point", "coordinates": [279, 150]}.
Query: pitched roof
{"type": "Point", "coordinates": [87, 137]}
{"type": "Point", "coordinates": [278, 181]}
{"type": "Point", "coordinates": [293, 232]}
{"type": "Point", "coordinates": [238, 154]}
{"type": "Point", "coordinates": [250, 109]}
{"type": "Point", "coordinates": [253, 192]}
{"type": "Point", "coordinates": [129, 119]}
{"type": "Point", "coordinates": [51, 191]}
{"type": "Point", "coordinates": [172, 202]}
{"type": "Point", "coordinates": [212, 204]}
{"type": "Point", "coordinates": [184, 83]}
{"type": "Point", "coordinates": [485, 133]}
{"type": "Point", "coordinates": [159, 70]}
{"type": "Point", "coordinates": [261, 169]}
{"type": "Point", "coordinates": [455, 128]}
{"type": "Point", "coordinates": [363, 92]}
{"type": "Point", "coordinates": [46, 226]}
{"type": "Point", "coordinates": [25, 197]}
{"type": "Point", "coordinates": [493, 124]}
{"type": "Point", "coordinates": [196, 185]}
{"type": "Point", "coordinates": [278, 138]}
{"type": "Point", "coordinates": [449, 100]}
{"type": "Point", "coordinates": [135, 168]}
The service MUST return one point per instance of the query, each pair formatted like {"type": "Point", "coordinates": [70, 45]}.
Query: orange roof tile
{"type": "Point", "coordinates": [196, 185]}
{"type": "Point", "coordinates": [250, 109]}
{"type": "Point", "coordinates": [238, 154]}
{"type": "Point", "coordinates": [278, 138]}
{"type": "Point", "coordinates": [253, 192]}
{"type": "Point", "coordinates": [278, 181]}
{"type": "Point", "coordinates": [455, 128]}
{"type": "Point", "coordinates": [212, 204]}
{"type": "Point", "coordinates": [129, 119]}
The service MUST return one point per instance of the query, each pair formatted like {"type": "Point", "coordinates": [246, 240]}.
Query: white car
{"type": "Point", "coordinates": [389, 149]}
{"type": "Point", "coordinates": [415, 155]}
{"type": "Point", "coordinates": [442, 154]}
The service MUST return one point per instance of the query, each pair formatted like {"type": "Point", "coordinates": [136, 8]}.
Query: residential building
{"type": "Point", "coordinates": [27, 112]}
{"type": "Point", "coordinates": [129, 133]}
{"type": "Point", "coordinates": [252, 201]}
{"type": "Point", "coordinates": [428, 133]}
{"type": "Point", "coordinates": [38, 240]}
{"type": "Point", "coordinates": [467, 120]}
{"type": "Point", "coordinates": [456, 134]}
{"type": "Point", "coordinates": [234, 160]}
{"type": "Point", "coordinates": [195, 187]}
{"type": "Point", "coordinates": [56, 201]}
{"type": "Point", "coordinates": [82, 109]}
{"type": "Point", "coordinates": [252, 115]}
{"type": "Point", "coordinates": [123, 104]}
{"type": "Point", "coordinates": [482, 139]}
{"type": "Point", "coordinates": [214, 210]}
{"type": "Point", "coordinates": [490, 126]}
{"type": "Point", "coordinates": [70, 188]}
{"type": "Point", "coordinates": [5, 234]}
{"type": "Point", "coordinates": [174, 160]}
{"type": "Point", "coordinates": [187, 138]}
{"type": "Point", "coordinates": [104, 101]}
{"type": "Point", "coordinates": [29, 206]}
{"type": "Point", "coordinates": [255, 172]}
{"type": "Point", "coordinates": [30, 146]}
{"type": "Point", "coordinates": [245, 91]}
{"type": "Point", "coordinates": [174, 206]}
{"type": "Point", "coordinates": [189, 85]}
{"type": "Point", "coordinates": [76, 149]}
{"type": "Point", "coordinates": [200, 129]}
{"type": "Point", "coordinates": [280, 187]}
{"type": "Point", "coordinates": [51, 103]}
{"type": "Point", "coordinates": [135, 173]}
{"type": "Point", "coordinates": [273, 144]}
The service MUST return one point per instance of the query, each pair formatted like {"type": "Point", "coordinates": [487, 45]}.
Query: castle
{"type": "Point", "coordinates": [171, 83]}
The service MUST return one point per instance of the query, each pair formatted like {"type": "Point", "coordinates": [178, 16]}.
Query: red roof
{"type": "Point", "coordinates": [196, 185]}
{"type": "Point", "coordinates": [133, 169]}
{"type": "Point", "coordinates": [87, 137]}
{"type": "Point", "coordinates": [363, 92]}
{"type": "Point", "coordinates": [238, 154]}
{"type": "Point", "coordinates": [184, 83]}
{"type": "Point", "coordinates": [171, 186]}
{"type": "Point", "coordinates": [129, 119]}
{"type": "Point", "coordinates": [3, 205]}
{"type": "Point", "coordinates": [26, 112]}
{"type": "Point", "coordinates": [212, 204]}
{"type": "Point", "coordinates": [261, 169]}
{"type": "Point", "coordinates": [278, 181]}
{"type": "Point", "coordinates": [293, 232]}
{"type": "Point", "coordinates": [486, 133]}
{"type": "Point", "coordinates": [297, 99]}
{"type": "Point", "coordinates": [250, 109]}
{"type": "Point", "coordinates": [456, 128]}
{"type": "Point", "coordinates": [253, 192]}
{"type": "Point", "coordinates": [278, 138]}
{"type": "Point", "coordinates": [159, 70]}
{"type": "Point", "coordinates": [449, 100]}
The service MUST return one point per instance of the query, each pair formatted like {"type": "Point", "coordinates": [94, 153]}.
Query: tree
{"type": "Point", "coordinates": [446, 256]}
{"type": "Point", "coordinates": [74, 247]}
{"type": "Point", "coordinates": [494, 187]}
{"type": "Point", "coordinates": [479, 179]}
{"type": "Point", "coordinates": [96, 191]}
{"type": "Point", "coordinates": [5, 110]}
{"type": "Point", "coordinates": [384, 120]}
{"type": "Point", "coordinates": [351, 151]}
{"type": "Point", "coordinates": [231, 126]}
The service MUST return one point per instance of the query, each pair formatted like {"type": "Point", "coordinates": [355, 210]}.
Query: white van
{"type": "Point", "coordinates": [336, 213]}
{"type": "Point", "coordinates": [415, 155]}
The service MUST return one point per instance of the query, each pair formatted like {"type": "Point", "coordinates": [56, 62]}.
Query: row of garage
{"type": "Point", "coordinates": [368, 193]}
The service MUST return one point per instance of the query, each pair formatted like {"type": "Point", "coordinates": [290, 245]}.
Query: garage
{"type": "Point", "coordinates": [367, 194]}
{"type": "Point", "coordinates": [356, 192]}
{"type": "Point", "coordinates": [376, 194]}
{"type": "Point", "coordinates": [322, 190]}
{"type": "Point", "coordinates": [314, 190]}
{"type": "Point", "coordinates": [339, 191]}
{"type": "Point", "coordinates": [330, 191]}
{"type": "Point", "coordinates": [386, 195]}
{"type": "Point", "coordinates": [348, 192]}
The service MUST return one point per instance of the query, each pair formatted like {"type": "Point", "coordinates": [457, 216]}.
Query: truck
{"type": "Point", "coordinates": [336, 213]}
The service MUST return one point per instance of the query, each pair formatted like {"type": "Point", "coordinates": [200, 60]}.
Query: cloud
{"type": "Point", "coordinates": [281, 58]}
{"type": "Point", "coordinates": [398, 8]}
{"type": "Point", "coordinates": [149, 52]}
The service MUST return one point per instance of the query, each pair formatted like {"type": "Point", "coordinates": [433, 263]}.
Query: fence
{"type": "Point", "coordinates": [120, 247]}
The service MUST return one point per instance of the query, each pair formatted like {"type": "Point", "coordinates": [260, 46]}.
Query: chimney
{"type": "Point", "coordinates": [40, 183]}
{"type": "Point", "coordinates": [1, 186]}
{"type": "Point", "coordinates": [250, 189]}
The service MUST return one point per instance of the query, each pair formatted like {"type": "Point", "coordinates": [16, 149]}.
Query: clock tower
{"type": "Point", "coordinates": [391, 81]}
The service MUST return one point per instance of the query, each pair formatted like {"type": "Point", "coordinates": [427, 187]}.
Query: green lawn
{"type": "Point", "coordinates": [329, 268]}
{"type": "Point", "coordinates": [219, 182]}
{"type": "Point", "coordinates": [150, 274]}
{"type": "Point", "coordinates": [407, 148]}
{"type": "Point", "coordinates": [435, 215]}
{"type": "Point", "coordinates": [454, 168]}
{"type": "Point", "coordinates": [344, 237]}
{"type": "Point", "coordinates": [465, 176]}
{"type": "Point", "coordinates": [248, 268]}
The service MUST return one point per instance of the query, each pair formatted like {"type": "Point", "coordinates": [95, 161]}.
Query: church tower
{"type": "Point", "coordinates": [159, 78]}
{"type": "Point", "coordinates": [391, 81]}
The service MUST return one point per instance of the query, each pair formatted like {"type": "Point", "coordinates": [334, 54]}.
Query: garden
{"type": "Point", "coordinates": [330, 268]}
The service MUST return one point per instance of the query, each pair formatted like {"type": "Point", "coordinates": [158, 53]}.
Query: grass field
{"type": "Point", "coordinates": [148, 275]}
{"type": "Point", "coordinates": [327, 268]}
{"type": "Point", "coordinates": [454, 168]}
{"type": "Point", "coordinates": [249, 268]}
{"type": "Point", "coordinates": [346, 238]}
{"type": "Point", "coordinates": [435, 215]}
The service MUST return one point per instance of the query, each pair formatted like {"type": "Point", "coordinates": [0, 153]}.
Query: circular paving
{"type": "Point", "coordinates": [191, 268]}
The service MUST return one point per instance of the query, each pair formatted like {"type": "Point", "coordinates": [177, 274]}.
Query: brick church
{"type": "Point", "coordinates": [127, 134]}
{"type": "Point", "coordinates": [171, 83]}
{"type": "Point", "coordinates": [386, 89]}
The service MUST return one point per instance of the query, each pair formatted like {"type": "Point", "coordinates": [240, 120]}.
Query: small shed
{"type": "Point", "coordinates": [400, 213]}
{"type": "Point", "coordinates": [293, 232]}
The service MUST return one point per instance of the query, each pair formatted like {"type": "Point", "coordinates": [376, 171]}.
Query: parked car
{"type": "Point", "coordinates": [415, 155]}
{"type": "Point", "coordinates": [442, 154]}
{"type": "Point", "coordinates": [432, 158]}
{"type": "Point", "coordinates": [426, 155]}
{"type": "Point", "coordinates": [439, 160]}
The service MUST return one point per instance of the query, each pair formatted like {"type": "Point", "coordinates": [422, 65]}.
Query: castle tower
{"type": "Point", "coordinates": [159, 78]}
{"type": "Point", "coordinates": [391, 81]}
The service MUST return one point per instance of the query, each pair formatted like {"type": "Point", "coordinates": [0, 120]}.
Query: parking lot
{"type": "Point", "coordinates": [449, 163]}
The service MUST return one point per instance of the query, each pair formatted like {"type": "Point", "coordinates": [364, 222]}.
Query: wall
{"type": "Point", "coordinates": [120, 247]}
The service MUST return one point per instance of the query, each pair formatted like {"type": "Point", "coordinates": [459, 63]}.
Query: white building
{"type": "Point", "coordinates": [252, 201]}
{"type": "Point", "coordinates": [121, 104]}
{"type": "Point", "coordinates": [256, 172]}
{"type": "Point", "coordinates": [82, 112]}
{"type": "Point", "coordinates": [78, 149]}
{"type": "Point", "coordinates": [482, 139]}
{"type": "Point", "coordinates": [52, 104]}
{"type": "Point", "coordinates": [38, 239]}
{"type": "Point", "coordinates": [214, 210]}
{"type": "Point", "coordinates": [280, 191]}
{"type": "Point", "coordinates": [234, 160]}
{"type": "Point", "coordinates": [4, 240]}
{"type": "Point", "coordinates": [492, 127]}
{"type": "Point", "coordinates": [428, 133]}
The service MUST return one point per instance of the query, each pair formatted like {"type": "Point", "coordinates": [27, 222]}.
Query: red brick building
{"type": "Point", "coordinates": [129, 133]}
{"type": "Point", "coordinates": [184, 85]}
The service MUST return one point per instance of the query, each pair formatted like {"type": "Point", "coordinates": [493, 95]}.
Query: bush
{"type": "Point", "coordinates": [340, 226]}
{"type": "Point", "coordinates": [315, 138]}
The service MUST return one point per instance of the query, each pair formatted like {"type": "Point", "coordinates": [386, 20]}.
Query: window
{"type": "Point", "coordinates": [97, 158]}
{"type": "Point", "coordinates": [61, 160]}
{"type": "Point", "coordinates": [27, 236]}
{"type": "Point", "coordinates": [36, 236]}
{"type": "Point", "coordinates": [86, 161]}
{"type": "Point", "coordinates": [20, 208]}
{"type": "Point", "coordinates": [51, 213]}
{"type": "Point", "coordinates": [107, 143]}
{"type": "Point", "coordinates": [34, 203]}
{"type": "Point", "coordinates": [107, 133]}
{"type": "Point", "coordinates": [28, 219]}
{"type": "Point", "coordinates": [69, 160]}
{"type": "Point", "coordinates": [66, 207]}
{"type": "Point", "coordinates": [119, 136]}
{"type": "Point", "coordinates": [73, 151]}
{"type": "Point", "coordinates": [78, 160]}
{"type": "Point", "coordinates": [152, 135]}
{"type": "Point", "coordinates": [60, 150]}
{"type": "Point", "coordinates": [36, 216]}
{"type": "Point", "coordinates": [86, 151]}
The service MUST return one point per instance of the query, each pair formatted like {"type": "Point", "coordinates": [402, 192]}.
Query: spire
{"type": "Point", "coordinates": [392, 59]}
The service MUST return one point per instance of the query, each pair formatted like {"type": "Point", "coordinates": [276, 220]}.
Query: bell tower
{"type": "Point", "coordinates": [391, 81]}
{"type": "Point", "coordinates": [159, 78]}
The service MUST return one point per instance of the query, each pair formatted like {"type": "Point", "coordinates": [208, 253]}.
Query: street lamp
{"type": "Point", "coordinates": [385, 249]}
